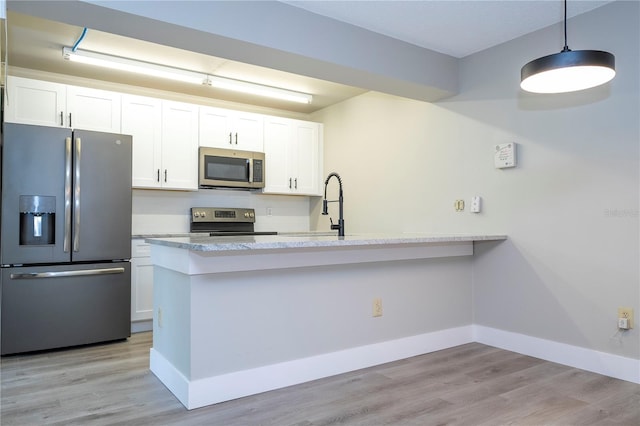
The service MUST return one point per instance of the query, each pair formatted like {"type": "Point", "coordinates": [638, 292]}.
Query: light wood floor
{"type": "Point", "coordinates": [471, 384]}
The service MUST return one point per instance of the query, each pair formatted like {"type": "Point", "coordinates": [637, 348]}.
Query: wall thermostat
{"type": "Point", "coordinates": [505, 155]}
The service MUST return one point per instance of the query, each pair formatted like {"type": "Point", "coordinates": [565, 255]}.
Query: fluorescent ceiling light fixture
{"type": "Point", "coordinates": [130, 65]}
{"type": "Point", "coordinates": [259, 89]}
{"type": "Point", "coordinates": [568, 71]}
{"type": "Point", "coordinates": [177, 74]}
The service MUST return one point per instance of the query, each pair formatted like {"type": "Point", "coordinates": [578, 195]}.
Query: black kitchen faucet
{"type": "Point", "coordinates": [340, 225]}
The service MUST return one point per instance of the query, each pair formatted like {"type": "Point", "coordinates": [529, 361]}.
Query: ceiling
{"type": "Point", "coordinates": [454, 27]}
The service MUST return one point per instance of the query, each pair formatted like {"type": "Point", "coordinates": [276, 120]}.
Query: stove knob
{"type": "Point", "coordinates": [203, 214]}
{"type": "Point", "coordinates": [252, 214]}
{"type": "Point", "coordinates": [246, 214]}
{"type": "Point", "coordinates": [196, 214]}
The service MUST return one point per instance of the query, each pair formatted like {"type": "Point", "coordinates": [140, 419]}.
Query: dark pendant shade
{"type": "Point", "coordinates": [568, 71]}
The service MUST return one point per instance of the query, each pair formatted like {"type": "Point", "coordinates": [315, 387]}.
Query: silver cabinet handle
{"type": "Point", "coordinates": [230, 139]}
{"type": "Point", "coordinates": [67, 196]}
{"type": "Point", "coordinates": [236, 138]}
{"type": "Point", "coordinates": [165, 175]}
{"type": "Point", "coordinates": [61, 118]}
{"type": "Point", "coordinates": [70, 120]}
{"type": "Point", "coordinates": [57, 274]}
{"type": "Point", "coordinates": [296, 183]}
{"type": "Point", "coordinates": [76, 192]}
{"type": "Point", "coordinates": [290, 183]}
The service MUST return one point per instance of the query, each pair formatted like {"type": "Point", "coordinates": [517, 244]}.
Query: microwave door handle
{"type": "Point", "coordinates": [250, 170]}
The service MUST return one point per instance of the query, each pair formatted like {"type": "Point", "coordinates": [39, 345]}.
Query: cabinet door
{"type": "Point", "coordinates": [215, 128]}
{"type": "Point", "coordinates": [142, 118]}
{"type": "Point", "coordinates": [141, 282]}
{"type": "Point", "coordinates": [249, 132]}
{"type": "Point", "coordinates": [277, 149]}
{"type": "Point", "coordinates": [293, 151]}
{"type": "Point", "coordinates": [307, 157]}
{"type": "Point", "coordinates": [179, 146]}
{"type": "Point", "coordinates": [222, 128]}
{"type": "Point", "coordinates": [34, 102]}
{"type": "Point", "coordinates": [93, 109]}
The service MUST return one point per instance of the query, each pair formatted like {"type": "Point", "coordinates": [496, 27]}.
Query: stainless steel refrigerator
{"type": "Point", "coordinates": [65, 238]}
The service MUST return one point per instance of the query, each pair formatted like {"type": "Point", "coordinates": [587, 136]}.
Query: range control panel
{"type": "Point", "coordinates": [215, 214]}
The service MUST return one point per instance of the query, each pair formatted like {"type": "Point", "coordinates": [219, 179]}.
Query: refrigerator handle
{"type": "Point", "coordinates": [67, 196]}
{"type": "Point", "coordinates": [57, 274]}
{"type": "Point", "coordinates": [76, 194]}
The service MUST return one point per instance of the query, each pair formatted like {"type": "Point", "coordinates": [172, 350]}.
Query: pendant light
{"type": "Point", "coordinates": [569, 70]}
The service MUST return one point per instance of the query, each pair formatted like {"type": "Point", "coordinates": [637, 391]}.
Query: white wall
{"type": "Point", "coordinates": [166, 212]}
{"type": "Point", "coordinates": [570, 208]}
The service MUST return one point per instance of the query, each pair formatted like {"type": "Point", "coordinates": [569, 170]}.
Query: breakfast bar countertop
{"type": "Point", "coordinates": [204, 243]}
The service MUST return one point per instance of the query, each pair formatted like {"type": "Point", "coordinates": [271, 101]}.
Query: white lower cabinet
{"type": "Point", "coordinates": [293, 156]}
{"type": "Point", "coordinates": [141, 281]}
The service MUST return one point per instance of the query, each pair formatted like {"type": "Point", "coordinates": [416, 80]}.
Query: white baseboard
{"type": "Point", "coordinates": [211, 390]}
{"type": "Point", "coordinates": [603, 363]}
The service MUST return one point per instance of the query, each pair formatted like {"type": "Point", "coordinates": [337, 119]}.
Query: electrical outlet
{"type": "Point", "coordinates": [627, 314]}
{"type": "Point", "coordinates": [377, 307]}
{"type": "Point", "coordinates": [476, 203]}
{"type": "Point", "coordinates": [160, 317]}
{"type": "Point", "coordinates": [459, 205]}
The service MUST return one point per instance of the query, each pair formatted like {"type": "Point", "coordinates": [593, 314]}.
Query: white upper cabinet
{"type": "Point", "coordinates": [179, 146]}
{"type": "Point", "coordinates": [142, 118]}
{"type": "Point", "coordinates": [222, 128]}
{"type": "Point", "coordinates": [165, 142]}
{"type": "Point", "coordinates": [293, 157]}
{"type": "Point", "coordinates": [93, 109]}
{"type": "Point", "coordinates": [43, 103]}
{"type": "Point", "coordinates": [35, 102]}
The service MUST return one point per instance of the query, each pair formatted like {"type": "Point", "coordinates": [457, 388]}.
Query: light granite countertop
{"type": "Point", "coordinates": [204, 243]}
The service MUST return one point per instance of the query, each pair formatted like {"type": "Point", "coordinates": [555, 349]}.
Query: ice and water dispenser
{"type": "Point", "coordinates": [37, 220]}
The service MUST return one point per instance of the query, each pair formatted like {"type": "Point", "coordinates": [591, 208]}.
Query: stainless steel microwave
{"type": "Point", "coordinates": [229, 168]}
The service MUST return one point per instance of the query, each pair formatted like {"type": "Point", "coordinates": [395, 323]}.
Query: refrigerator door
{"type": "Point", "coordinates": [102, 196]}
{"type": "Point", "coordinates": [50, 307]}
{"type": "Point", "coordinates": [36, 206]}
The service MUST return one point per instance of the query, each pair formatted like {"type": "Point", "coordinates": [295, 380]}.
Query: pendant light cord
{"type": "Point", "coordinates": [566, 47]}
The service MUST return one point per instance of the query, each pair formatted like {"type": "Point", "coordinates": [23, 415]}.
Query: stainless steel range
{"type": "Point", "coordinates": [217, 221]}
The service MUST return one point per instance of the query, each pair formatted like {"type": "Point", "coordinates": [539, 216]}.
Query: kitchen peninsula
{"type": "Point", "coordinates": [235, 316]}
